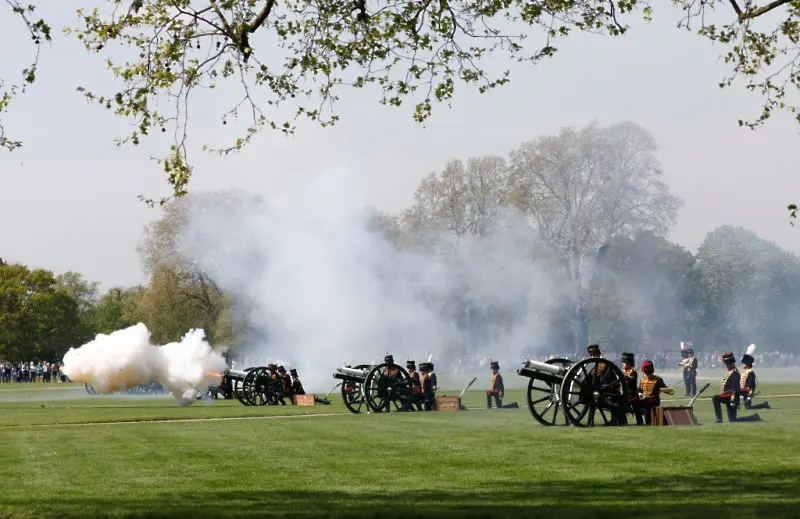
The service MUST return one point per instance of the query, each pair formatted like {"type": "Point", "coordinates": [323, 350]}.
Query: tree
{"type": "Point", "coordinates": [117, 309]}
{"type": "Point", "coordinates": [37, 320]}
{"type": "Point", "coordinates": [39, 32]}
{"type": "Point", "coordinates": [180, 295]}
{"type": "Point", "coordinates": [750, 289]}
{"type": "Point", "coordinates": [585, 187]}
{"type": "Point", "coordinates": [461, 199]}
{"type": "Point", "coordinates": [640, 294]}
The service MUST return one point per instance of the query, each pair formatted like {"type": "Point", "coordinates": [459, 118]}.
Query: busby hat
{"type": "Point", "coordinates": [593, 349]}
{"type": "Point", "coordinates": [647, 366]}
{"type": "Point", "coordinates": [627, 358]}
{"type": "Point", "coordinates": [272, 366]}
{"type": "Point", "coordinates": [389, 359]}
{"type": "Point", "coordinates": [410, 364]}
{"type": "Point", "coordinates": [423, 366]}
{"type": "Point", "coordinates": [281, 369]}
{"type": "Point", "coordinates": [728, 358]}
{"type": "Point", "coordinates": [293, 372]}
{"type": "Point", "coordinates": [747, 358]}
{"type": "Point", "coordinates": [494, 365]}
{"type": "Point", "coordinates": [686, 347]}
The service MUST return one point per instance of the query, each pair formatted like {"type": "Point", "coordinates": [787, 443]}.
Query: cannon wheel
{"type": "Point", "coordinates": [593, 386]}
{"type": "Point", "coordinates": [353, 393]}
{"type": "Point", "coordinates": [387, 384]}
{"type": "Point", "coordinates": [273, 388]}
{"type": "Point", "coordinates": [544, 398]}
{"type": "Point", "coordinates": [238, 389]}
{"type": "Point", "coordinates": [90, 389]}
{"type": "Point", "coordinates": [256, 386]}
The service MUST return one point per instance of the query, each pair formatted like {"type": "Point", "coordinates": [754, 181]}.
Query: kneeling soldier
{"type": "Point", "coordinates": [729, 393]}
{"type": "Point", "coordinates": [749, 382]}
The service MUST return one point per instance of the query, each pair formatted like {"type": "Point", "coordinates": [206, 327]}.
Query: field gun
{"type": "Point", "coordinates": [376, 386]}
{"type": "Point", "coordinates": [561, 392]}
{"type": "Point", "coordinates": [255, 386]}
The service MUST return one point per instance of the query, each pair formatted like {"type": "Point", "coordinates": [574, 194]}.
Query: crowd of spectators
{"type": "Point", "coordinates": [31, 372]}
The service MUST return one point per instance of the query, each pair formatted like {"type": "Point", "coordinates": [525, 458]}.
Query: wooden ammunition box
{"type": "Point", "coordinates": [304, 400]}
{"type": "Point", "coordinates": [673, 416]}
{"type": "Point", "coordinates": [448, 403]}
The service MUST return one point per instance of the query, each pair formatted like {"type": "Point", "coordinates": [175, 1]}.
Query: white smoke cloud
{"type": "Point", "coordinates": [125, 358]}
{"type": "Point", "coordinates": [304, 266]}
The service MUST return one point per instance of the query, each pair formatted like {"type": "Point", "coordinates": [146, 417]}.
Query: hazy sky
{"type": "Point", "coordinates": [68, 198]}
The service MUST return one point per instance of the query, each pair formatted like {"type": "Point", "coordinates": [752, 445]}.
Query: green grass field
{"type": "Point", "coordinates": [63, 454]}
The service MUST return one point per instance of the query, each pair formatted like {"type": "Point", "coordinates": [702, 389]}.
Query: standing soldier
{"type": "Point", "coordinates": [428, 379]}
{"type": "Point", "coordinates": [632, 384]}
{"type": "Point", "coordinates": [729, 393]}
{"type": "Point", "coordinates": [749, 381]}
{"type": "Point", "coordinates": [689, 365]}
{"type": "Point", "coordinates": [416, 387]}
{"type": "Point", "coordinates": [286, 384]}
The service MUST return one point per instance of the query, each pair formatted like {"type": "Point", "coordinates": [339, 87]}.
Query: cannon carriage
{"type": "Point", "coordinates": [561, 392]}
{"type": "Point", "coordinates": [254, 386]}
{"type": "Point", "coordinates": [378, 387]}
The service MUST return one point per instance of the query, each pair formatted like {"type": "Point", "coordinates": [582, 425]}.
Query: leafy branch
{"type": "Point", "coordinates": [299, 54]}
{"type": "Point", "coordinates": [39, 31]}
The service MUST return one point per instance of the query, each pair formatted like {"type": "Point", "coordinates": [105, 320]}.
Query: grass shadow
{"type": "Point", "coordinates": [720, 493]}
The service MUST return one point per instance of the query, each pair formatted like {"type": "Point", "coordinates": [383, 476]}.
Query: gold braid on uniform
{"type": "Point", "coordinates": [725, 380]}
{"type": "Point", "coordinates": [743, 378]}
{"type": "Point", "coordinates": [648, 385]}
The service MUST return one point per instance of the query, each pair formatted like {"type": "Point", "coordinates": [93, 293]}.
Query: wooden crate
{"type": "Point", "coordinates": [673, 416]}
{"type": "Point", "coordinates": [304, 400]}
{"type": "Point", "coordinates": [448, 403]}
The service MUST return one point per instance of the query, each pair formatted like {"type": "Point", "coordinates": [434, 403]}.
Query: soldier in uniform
{"type": "Point", "coordinates": [632, 384]}
{"type": "Point", "coordinates": [416, 387]}
{"type": "Point", "coordinates": [729, 393]}
{"type": "Point", "coordinates": [688, 364]}
{"type": "Point", "coordinates": [429, 387]}
{"type": "Point", "coordinates": [497, 389]}
{"type": "Point", "coordinates": [298, 389]}
{"type": "Point", "coordinates": [650, 389]}
{"type": "Point", "coordinates": [286, 383]}
{"type": "Point", "coordinates": [748, 380]}
{"type": "Point", "coordinates": [594, 353]}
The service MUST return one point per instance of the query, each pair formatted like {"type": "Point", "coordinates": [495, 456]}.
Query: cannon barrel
{"type": "Point", "coordinates": [552, 369]}
{"type": "Point", "coordinates": [235, 374]}
{"type": "Point", "coordinates": [350, 372]}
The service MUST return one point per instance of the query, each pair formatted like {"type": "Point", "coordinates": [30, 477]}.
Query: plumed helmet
{"type": "Point", "coordinates": [747, 358]}
{"type": "Point", "coordinates": [410, 364]}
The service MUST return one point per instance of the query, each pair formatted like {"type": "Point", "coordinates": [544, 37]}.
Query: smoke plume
{"type": "Point", "coordinates": [125, 358]}
{"type": "Point", "coordinates": [319, 286]}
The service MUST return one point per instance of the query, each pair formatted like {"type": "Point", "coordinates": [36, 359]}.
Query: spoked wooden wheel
{"type": "Point", "coordinates": [386, 386]}
{"type": "Point", "coordinates": [238, 390]}
{"type": "Point", "coordinates": [353, 393]}
{"type": "Point", "coordinates": [544, 398]}
{"type": "Point", "coordinates": [593, 393]}
{"type": "Point", "coordinates": [90, 389]}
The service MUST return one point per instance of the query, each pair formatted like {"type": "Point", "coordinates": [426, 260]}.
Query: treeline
{"type": "Point", "coordinates": [593, 202]}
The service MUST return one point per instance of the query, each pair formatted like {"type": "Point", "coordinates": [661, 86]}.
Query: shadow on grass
{"type": "Point", "coordinates": [767, 494]}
